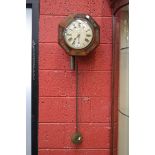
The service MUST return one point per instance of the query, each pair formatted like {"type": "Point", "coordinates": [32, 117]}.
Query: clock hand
{"type": "Point", "coordinates": [75, 39]}
{"type": "Point", "coordinates": [73, 42]}
{"type": "Point", "coordinates": [79, 39]}
{"type": "Point", "coordinates": [78, 36]}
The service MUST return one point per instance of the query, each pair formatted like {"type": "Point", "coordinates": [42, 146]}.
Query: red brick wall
{"type": "Point", "coordinates": [57, 83]}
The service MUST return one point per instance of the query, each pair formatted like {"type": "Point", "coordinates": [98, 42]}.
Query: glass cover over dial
{"type": "Point", "coordinates": [78, 34]}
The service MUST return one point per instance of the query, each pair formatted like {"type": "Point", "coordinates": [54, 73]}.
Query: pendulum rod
{"type": "Point", "coordinates": [77, 137]}
{"type": "Point", "coordinates": [76, 69]}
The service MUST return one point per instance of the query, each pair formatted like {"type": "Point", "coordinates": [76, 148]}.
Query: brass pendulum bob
{"type": "Point", "coordinates": [77, 138]}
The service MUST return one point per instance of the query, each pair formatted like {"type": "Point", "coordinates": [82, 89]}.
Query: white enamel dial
{"type": "Point", "coordinates": [78, 34]}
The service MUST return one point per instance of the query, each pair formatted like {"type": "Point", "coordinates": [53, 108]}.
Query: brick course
{"type": "Point", "coordinates": [58, 135]}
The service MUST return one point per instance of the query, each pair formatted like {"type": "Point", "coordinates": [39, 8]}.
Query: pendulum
{"type": "Point", "coordinates": [77, 137]}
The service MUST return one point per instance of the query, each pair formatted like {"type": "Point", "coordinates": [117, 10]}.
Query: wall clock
{"type": "Point", "coordinates": [79, 34]}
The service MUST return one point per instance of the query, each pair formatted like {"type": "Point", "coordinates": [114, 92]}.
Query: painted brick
{"type": "Point", "coordinates": [100, 59]}
{"type": "Point", "coordinates": [101, 109]}
{"type": "Point", "coordinates": [105, 29]}
{"type": "Point", "coordinates": [95, 83]}
{"type": "Point", "coordinates": [52, 56]}
{"type": "Point", "coordinates": [49, 28]}
{"type": "Point", "coordinates": [57, 109]}
{"type": "Point", "coordinates": [59, 7]}
{"type": "Point", "coordinates": [91, 109]}
{"type": "Point", "coordinates": [56, 83]}
{"type": "Point", "coordinates": [74, 152]}
{"type": "Point", "coordinates": [96, 135]}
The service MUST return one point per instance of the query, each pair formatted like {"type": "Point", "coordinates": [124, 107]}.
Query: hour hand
{"type": "Point", "coordinates": [73, 43]}
{"type": "Point", "coordinates": [79, 38]}
{"type": "Point", "coordinates": [75, 39]}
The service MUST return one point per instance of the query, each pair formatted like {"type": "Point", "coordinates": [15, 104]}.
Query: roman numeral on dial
{"type": "Point", "coordinates": [86, 40]}
{"type": "Point", "coordinates": [68, 34]}
{"type": "Point", "coordinates": [88, 30]}
{"type": "Point", "coordinates": [73, 43]}
{"type": "Point", "coordinates": [88, 35]}
{"type": "Point", "coordinates": [70, 39]}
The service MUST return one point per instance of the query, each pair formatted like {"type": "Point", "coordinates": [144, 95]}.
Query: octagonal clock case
{"type": "Point", "coordinates": [78, 34]}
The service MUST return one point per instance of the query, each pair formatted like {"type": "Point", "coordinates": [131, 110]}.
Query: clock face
{"type": "Point", "coordinates": [78, 34]}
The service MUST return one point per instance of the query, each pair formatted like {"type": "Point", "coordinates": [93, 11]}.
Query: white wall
{"type": "Point", "coordinates": [28, 79]}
